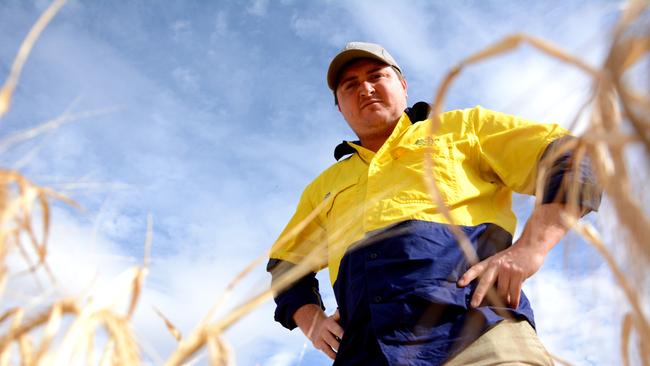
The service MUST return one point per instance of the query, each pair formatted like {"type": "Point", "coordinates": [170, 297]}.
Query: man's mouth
{"type": "Point", "coordinates": [369, 102]}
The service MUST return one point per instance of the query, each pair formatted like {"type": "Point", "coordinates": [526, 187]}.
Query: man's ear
{"type": "Point", "coordinates": [405, 86]}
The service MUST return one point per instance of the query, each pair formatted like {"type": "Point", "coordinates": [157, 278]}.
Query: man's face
{"type": "Point", "coordinates": [371, 98]}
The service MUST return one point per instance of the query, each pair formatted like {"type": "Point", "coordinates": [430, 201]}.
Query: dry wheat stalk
{"type": "Point", "coordinates": [23, 53]}
{"type": "Point", "coordinates": [604, 143]}
{"type": "Point", "coordinates": [590, 143]}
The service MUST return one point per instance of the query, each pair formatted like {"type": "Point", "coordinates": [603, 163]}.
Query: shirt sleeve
{"type": "Point", "coordinates": [302, 235]}
{"type": "Point", "coordinates": [513, 146]}
{"type": "Point", "coordinates": [302, 292]}
{"type": "Point", "coordinates": [562, 175]}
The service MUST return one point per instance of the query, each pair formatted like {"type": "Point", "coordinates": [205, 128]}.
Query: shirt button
{"type": "Point", "coordinates": [378, 299]}
{"type": "Point", "coordinates": [373, 256]}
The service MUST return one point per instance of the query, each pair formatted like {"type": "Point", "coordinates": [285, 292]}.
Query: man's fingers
{"type": "Point", "coordinates": [335, 329]}
{"type": "Point", "coordinates": [484, 284]}
{"type": "Point", "coordinates": [333, 332]}
{"type": "Point", "coordinates": [472, 273]}
{"type": "Point", "coordinates": [330, 335]}
{"type": "Point", "coordinates": [331, 341]}
{"type": "Point", "coordinates": [327, 344]}
{"type": "Point", "coordinates": [332, 324]}
{"type": "Point", "coordinates": [514, 290]}
{"type": "Point", "coordinates": [503, 284]}
{"type": "Point", "coordinates": [326, 349]}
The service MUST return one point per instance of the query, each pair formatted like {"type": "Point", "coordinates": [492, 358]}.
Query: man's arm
{"type": "Point", "coordinates": [303, 291]}
{"type": "Point", "coordinates": [323, 331]}
{"type": "Point", "coordinates": [510, 268]}
{"type": "Point", "coordinates": [543, 230]}
{"type": "Point", "coordinates": [300, 305]}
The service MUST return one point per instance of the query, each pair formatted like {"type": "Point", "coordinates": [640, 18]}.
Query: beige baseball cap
{"type": "Point", "coordinates": [354, 50]}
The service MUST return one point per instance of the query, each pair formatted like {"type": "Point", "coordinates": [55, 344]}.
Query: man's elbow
{"type": "Point", "coordinates": [569, 177]}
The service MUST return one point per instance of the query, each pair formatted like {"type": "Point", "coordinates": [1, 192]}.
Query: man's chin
{"type": "Point", "coordinates": [373, 112]}
{"type": "Point", "coordinates": [379, 116]}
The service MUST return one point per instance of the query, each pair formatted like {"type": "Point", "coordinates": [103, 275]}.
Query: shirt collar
{"type": "Point", "coordinates": [415, 114]}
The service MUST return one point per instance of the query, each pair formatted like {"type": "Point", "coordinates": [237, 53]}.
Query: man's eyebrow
{"type": "Point", "coordinates": [378, 68]}
{"type": "Point", "coordinates": [349, 78]}
{"type": "Point", "coordinates": [352, 77]}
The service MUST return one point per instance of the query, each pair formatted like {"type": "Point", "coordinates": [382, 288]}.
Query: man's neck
{"type": "Point", "coordinates": [373, 145]}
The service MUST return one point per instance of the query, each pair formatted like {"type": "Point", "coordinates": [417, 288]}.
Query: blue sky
{"type": "Point", "coordinates": [213, 115]}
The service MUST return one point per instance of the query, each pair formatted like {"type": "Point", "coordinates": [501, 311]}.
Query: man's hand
{"type": "Point", "coordinates": [323, 331]}
{"type": "Point", "coordinates": [507, 270]}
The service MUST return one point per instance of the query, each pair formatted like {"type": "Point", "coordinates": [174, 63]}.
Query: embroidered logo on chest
{"type": "Point", "coordinates": [425, 141]}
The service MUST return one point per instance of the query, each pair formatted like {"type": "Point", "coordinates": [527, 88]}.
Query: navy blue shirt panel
{"type": "Point", "coordinates": [402, 282]}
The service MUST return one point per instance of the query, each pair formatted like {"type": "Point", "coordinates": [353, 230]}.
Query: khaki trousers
{"type": "Point", "coordinates": [510, 342]}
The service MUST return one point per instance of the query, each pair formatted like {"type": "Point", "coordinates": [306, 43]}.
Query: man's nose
{"type": "Point", "coordinates": [367, 89]}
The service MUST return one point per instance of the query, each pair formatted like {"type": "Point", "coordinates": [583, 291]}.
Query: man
{"type": "Point", "coordinates": [406, 293]}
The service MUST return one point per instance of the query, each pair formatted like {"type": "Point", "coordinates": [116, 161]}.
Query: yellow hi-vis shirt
{"type": "Point", "coordinates": [479, 158]}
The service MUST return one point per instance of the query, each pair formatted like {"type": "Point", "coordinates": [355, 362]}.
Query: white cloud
{"type": "Point", "coordinates": [525, 87]}
{"type": "Point", "coordinates": [187, 79]}
{"type": "Point", "coordinates": [222, 176]}
{"type": "Point", "coordinates": [318, 27]}
{"type": "Point", "coordinates": [258, 7]}
{"type": "Point", "coordinates": [281, 359]}
{"type": "Point", "coordinates": [184, 287]}
{"type": "Point", "coordinates": [221, 25]}
{"type": "Point", "coordinates": [304, 26]}
{"type": "Point", "coordinates": [404, 30]}
{"type": "Point", "coordinates": [524, 82]}
{"type": "Point", "coordinates": [78, 257]}
{"type": "Point", "coordinates": [579, 317]}
{"type": "Point", "coordinates": [181, 30]}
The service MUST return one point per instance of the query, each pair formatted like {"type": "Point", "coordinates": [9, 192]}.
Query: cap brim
{"type": "Point", "coordinates": [342, 59]}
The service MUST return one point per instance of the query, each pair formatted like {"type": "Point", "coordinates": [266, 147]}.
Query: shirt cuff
{"type": "Point", "coordinates": [562, 176]}
{"type": "Point", "coordinates": [302, 292]}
